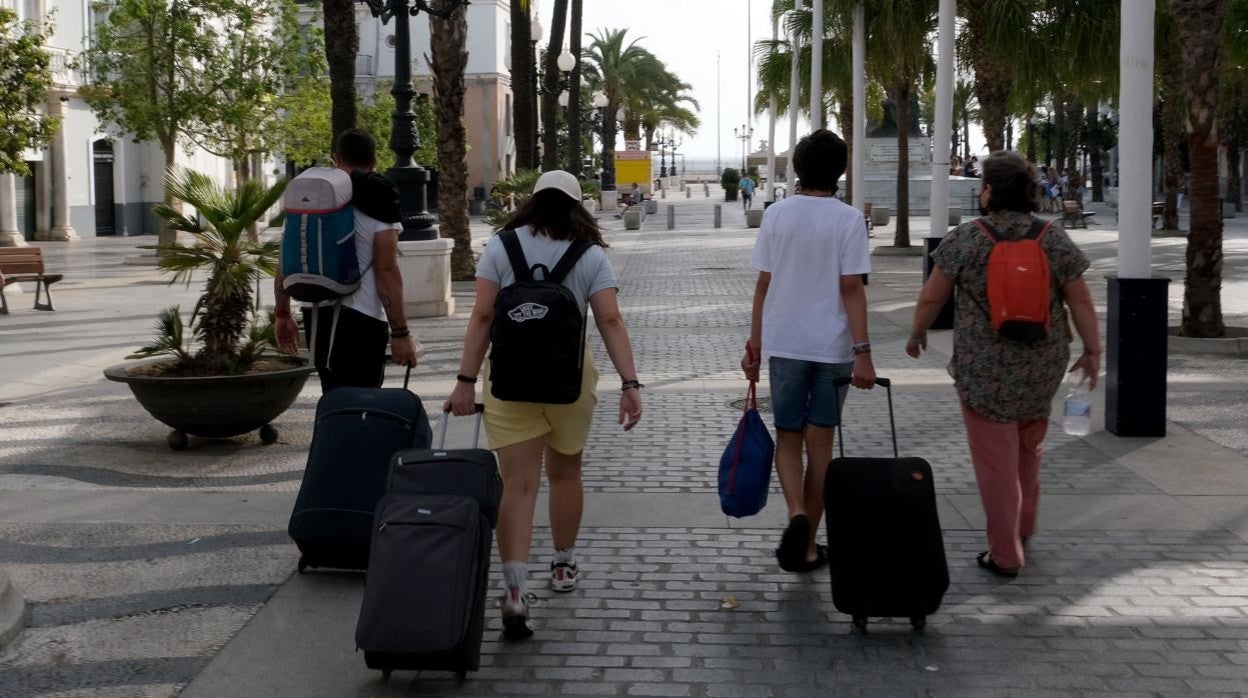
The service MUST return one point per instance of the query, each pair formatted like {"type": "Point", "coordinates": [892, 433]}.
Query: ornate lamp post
{"type": "Point", "coordinates": [536, 33]}
{"type": "Point", "coordinates": [744, 134]}
{"type": "Point", "coordinates": [410, 178]}
{"type": "Point", "coordinates": [667, 141]}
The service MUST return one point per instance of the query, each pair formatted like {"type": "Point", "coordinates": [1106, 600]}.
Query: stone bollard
{"type": "Point", "coordinates": [632, 219]}
{"type": "Point", "coordinates": [652, 206]}
{"type": "Point", "coordinates": [688, 192]}
{"type": "Point", "coordinates": [706, 189]}
{"type": "Point", "coordinates": [671, 217]}
{"type": "Point", "coordinates": [719, 216]}
{"type": "Point", "coordinates": [662, 193]}
{"type": "Point", "coordinates": [754, 217]}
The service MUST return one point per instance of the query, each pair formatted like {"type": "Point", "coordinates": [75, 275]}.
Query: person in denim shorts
{"type": "Point", "coordinates": [810, 323]}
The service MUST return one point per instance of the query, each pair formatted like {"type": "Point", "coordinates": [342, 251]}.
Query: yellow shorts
{"type": "Point", "coordinates": [564, 427]}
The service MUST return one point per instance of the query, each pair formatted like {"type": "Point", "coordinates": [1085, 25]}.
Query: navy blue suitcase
{"type": "Point", "coordinates": [357, 433]}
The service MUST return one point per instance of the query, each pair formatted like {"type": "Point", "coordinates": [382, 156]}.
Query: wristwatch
{"type": "Point", "coordinates": [863, 348]}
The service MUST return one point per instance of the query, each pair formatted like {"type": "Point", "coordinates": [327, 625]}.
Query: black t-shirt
{"type": "Point", "coordinates": [375, 196]}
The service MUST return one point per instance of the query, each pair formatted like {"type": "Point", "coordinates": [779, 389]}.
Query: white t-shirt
{"type": "Point", "coordinates": [592, 273]}
{"type": "Point", "coordinates": [807, 244]}
{"type": "Point", "coordinates": [366, 299]}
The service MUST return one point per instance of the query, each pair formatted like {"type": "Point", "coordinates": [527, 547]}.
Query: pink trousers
{"type": "Point", "coordinates": [1006, 456]}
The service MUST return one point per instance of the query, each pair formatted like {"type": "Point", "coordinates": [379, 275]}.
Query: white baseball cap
{"type": "Point", "coordinates": [563, 181]}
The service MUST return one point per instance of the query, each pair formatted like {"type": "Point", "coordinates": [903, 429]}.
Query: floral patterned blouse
{"type": "Point", "coordinates": [1003, 379]}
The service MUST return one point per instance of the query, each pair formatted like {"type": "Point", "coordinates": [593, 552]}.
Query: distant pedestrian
{"type": "Point", "coordinates": [539, 393]}
{"type": "Point", "coordinates": [1006, 382]}
{"type": "Point", "coordinates": [747, 191]}
{"type": "Point", "coordinates": [810, 323]}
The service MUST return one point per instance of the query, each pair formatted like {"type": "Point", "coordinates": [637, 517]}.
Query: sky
{"type": "Point", "coordinates": [687, 35]}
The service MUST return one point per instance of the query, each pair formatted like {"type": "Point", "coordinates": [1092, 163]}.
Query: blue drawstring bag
{"type": "Point", "coordinates": [745, 468]}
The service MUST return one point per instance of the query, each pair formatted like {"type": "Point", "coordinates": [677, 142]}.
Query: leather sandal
{"type": "Point", "coordinates": [987, 563]}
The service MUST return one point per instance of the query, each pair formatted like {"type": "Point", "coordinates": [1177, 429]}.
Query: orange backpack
{"type": "Point", "coordinates": [1019, 284]}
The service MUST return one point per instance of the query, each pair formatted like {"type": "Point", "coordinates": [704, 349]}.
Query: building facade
{"type": "Point", "coordinates": [488, 97]}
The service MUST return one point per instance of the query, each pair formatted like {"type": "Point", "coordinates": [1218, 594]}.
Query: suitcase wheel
{"type": "Point", "coordinates": [385, 674]}
{"type": "Point", "coordinates": [178, 440]}
{"type": "Point", "coordinates": [860, 622]}
{"type": "Point", "coordinates": [918, 623]}
{"type": "Point", "coordinates": [461, 677]}
{"type": "Point", "coordinates": [303, 564]}
{"type": "Point", "coordinates": [268, 435]}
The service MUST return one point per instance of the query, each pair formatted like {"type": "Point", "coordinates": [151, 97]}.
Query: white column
{"type": "Point", "coordinates": [860, 108]}
{"type": "Point", "coordinates": [816, 66]}
{"type": "Point", "coordinates": [61, 228]}
{"type": "Point", "coordinates": [1135, 140]}
{"type": "Point", "coordinates": [944, 120]}
{"type": "Point", "coordinates": [771, 127]}
{"type": "Point", "coordinates": [795, 104]}
{"type": "Point", "coordinates": [9, 235]}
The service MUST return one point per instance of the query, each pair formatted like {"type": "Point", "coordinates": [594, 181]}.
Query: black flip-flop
{"type": "Point", "coordinates": [821, 560]}
{"type": "Point", "coordinates": [792, 551]}
{"type": "Point", "coordinates": [987, 563]}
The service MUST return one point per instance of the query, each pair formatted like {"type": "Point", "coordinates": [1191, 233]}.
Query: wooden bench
{"type": "Point", "coordinates": [1073, 216]}
{"type": "Point", "coordinates": [18, 264]}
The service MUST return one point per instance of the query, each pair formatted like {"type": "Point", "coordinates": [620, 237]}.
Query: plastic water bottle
{"type": "Point", "coordinates": [1077, 419]}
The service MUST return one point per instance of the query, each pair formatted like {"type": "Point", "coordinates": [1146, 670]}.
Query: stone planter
{"type": "Point", "coordinates": [730, 194]}
{"type": "Point", "coordinates": [632, 219]}
{"type": "Point", "coordinates": [652, 206]}
{"type": "Point", "coordinates": [214, 407]}
{"type": "Point", "coordinates": [610, 199]}
{"type": "Point", "coordinates": [426, 269]}
{"type": "Point", "coordinates": [754, 217]}
{"type": "Point", "coordinates": [880, 215]}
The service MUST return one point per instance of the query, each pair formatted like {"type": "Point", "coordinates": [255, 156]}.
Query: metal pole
{"type": "Point", "coordinates": [816, 66]}
{"type": "Point", "coordinates": [795, 104]}
{"type": "Point", "coordinates": [860, 107]}
{"type": "Point", "coordinates": [944, 119]}
{"type": "Point", "coordinates": [719, 120]}
{"type": "Point", "coordinates": [1135, 140]}
{"type": "Point", "coordinates": [772, 105]}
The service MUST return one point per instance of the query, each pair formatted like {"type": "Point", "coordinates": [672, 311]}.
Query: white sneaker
{"type": "Point", "coordinates": [563, 576]}
{"type": "Point", "coordinates": [515, 607]}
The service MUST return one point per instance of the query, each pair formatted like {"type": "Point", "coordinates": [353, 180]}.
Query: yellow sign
{"type": "Point", "coordinates": [633, 167]}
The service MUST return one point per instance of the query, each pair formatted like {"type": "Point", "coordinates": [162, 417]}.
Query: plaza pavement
{"type": "Point", "coordinates": [151, 573]}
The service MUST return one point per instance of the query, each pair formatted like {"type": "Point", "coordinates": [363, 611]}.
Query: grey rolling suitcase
{"type": "Point", "coordinates": [429, 565]}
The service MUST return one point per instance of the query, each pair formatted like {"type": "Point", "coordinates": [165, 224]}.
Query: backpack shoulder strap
{"type": "Point", "coordinates": [988, 231]}
{"type": "Point", "coordinates": [515, 254]}
{"type": "Point", "coordinates": [569, 260]}
{"type": "Point", "coordinates": [1038, 229]}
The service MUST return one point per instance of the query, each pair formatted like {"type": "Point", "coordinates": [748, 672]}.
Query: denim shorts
{"type": "Point", "coordinates": [802, 393]}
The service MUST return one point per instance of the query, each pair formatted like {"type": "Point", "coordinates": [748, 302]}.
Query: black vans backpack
{"type": "Point", "coordinates": [537, 341]}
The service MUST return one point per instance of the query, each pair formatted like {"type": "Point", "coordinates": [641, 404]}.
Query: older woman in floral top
{"type": "Point", "coordinates": [1006, 385]}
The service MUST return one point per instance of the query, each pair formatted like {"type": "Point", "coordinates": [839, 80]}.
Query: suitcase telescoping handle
{"type": "Point", "coordinates": [892, 420]}
{"type": "Point", "coordinates": [476, 432]}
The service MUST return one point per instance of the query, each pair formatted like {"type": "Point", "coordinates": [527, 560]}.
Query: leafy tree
{"type": "Point", "coordinates": [524, 113]}
{"type": "Point", "coordinates": [24, 83]}
{"type": "Point", "coordinates": [259, 51]}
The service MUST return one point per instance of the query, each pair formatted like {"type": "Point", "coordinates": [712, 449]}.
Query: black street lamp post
{"type": "Point", "coordinates": [744, 134]}
{"type": "Point", "coordinates": [666, 142]}
{"type": "Point", "coordinates": [410, 178]}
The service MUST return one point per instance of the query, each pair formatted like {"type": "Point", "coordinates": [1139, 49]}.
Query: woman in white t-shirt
{"type": "Point", "coordinates": [810, 323]}
{"type": "Point", "coordinates": [526, 433]}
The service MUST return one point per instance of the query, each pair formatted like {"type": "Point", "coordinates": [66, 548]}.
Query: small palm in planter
{"type": "Point", "coordinates": [229, 385]}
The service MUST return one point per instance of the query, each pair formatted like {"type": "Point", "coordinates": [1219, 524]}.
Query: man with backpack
{"type": "Point", "coordinates": [357, 306]}
{"type": "Point", "coordinates": [1016, 276]}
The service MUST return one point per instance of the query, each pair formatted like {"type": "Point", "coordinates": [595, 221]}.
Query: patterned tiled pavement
{"type": "Point", "coordinates": [139, 605]}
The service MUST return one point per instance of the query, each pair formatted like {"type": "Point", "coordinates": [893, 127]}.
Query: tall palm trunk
{"type": "Point", "coordinates": [166, 235]}
{"type": "Point", "coordinates": [342, 42]}
{"type": "Point", "coordinates": [450, 59]}
{"type": "Point", "coordinates": [574, 89]}
{"type": "Point", "coordinates": [1074, 117]}
{"type": "Point", "coordinates": [522, 64]}
{"type": "Point", "coordinates": [992, 77]}
{"type": "Point", "coordinates": [845, 118]}
{"type": "Point", "coordinates": [901, 93]}
{"type": "Point", "coordinates": [550, 101]}
{"type": "Point", "coordinates": [608, 147]}
{"type": "Point", "coordinates": [1058, 135]}
{"type": "Point", "coordinates": [1200, 24]}
{"type": "Point", "coordinates": [1095, 153]}
{"type": "Point", "coordinates": [1172, 117]}
{"type": "Point", "coordinates": [1031, 142]}
{"type": "Point", "coordinates": [966, 137]}
{"type": "Point", "coordinates": [1234, 106]}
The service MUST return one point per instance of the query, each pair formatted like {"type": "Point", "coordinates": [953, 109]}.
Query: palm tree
{"type": "Point", "coordinates": [450, 59]}
{"type": "Point", "coordinates": [966, 110]}
{"type": "Point", "coordinates": [550, 103]}
{"type": "Point", "coordinates": [1200, 25]}
{"type": "Point", "coordinates": [522, 63]}
{"type": "Point", "coordinates": [221, 248]}
{"type": "Point", "coordinates": [998, 33]}
{"type": "Point", "coordinates": [619, 69]}
{"type": "Point", "coordinates": [342, 43]}
{"type": "Point", "coordinates": [1234, 119]}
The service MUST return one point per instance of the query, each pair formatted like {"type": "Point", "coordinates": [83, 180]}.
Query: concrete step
{"type": "Point", "coordinates": [12, 611]}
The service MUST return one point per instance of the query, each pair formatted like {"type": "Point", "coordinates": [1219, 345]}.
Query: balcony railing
{"type": "Point", "coordinates": [64, 71]}
{"type": "Point", "coordinates": [364, 65]}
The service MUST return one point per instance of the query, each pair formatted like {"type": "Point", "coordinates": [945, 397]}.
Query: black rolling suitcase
{"type": "Point", "coordinates": [428, 573]}
{"type": "Point", "coordinates": [357, 432]}
{"type": "Point", "coordinates": [885, 547]}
